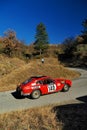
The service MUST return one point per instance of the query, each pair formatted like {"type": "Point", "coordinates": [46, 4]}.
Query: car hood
{"type": "Point", "coordinates": [62, 80]}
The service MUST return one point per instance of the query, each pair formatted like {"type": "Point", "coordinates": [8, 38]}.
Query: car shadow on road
{"type": "Point", "coordinates": [16, 96]}
{"type": "Point", "coordinates": [72, 116]}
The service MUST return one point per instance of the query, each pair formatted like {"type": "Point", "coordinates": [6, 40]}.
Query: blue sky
{"type": "Point", "coordinates": [62, 18]}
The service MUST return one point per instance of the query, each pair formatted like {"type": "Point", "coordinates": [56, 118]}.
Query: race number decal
{"type": "Point", "coordinates": [51, 87]}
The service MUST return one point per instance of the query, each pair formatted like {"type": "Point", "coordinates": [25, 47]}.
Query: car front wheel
{"type": "Point", "coordinates": [66, 88]}
{"type": "Point", "coordinates": [35, 94]}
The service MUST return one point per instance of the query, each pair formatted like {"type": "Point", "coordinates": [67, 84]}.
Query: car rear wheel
{"type": "Point", "coordinates": [66, 88]}
{"type": "Point", "coordinates": [35, 94]}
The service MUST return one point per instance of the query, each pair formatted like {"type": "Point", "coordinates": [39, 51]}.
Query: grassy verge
{"type": "Point", "coordinates": [59, 117]}
{"type": "Point", "coordinates": [33, 119]}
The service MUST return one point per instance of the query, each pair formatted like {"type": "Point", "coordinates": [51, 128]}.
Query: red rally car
{"type": "Point", "coordinates": [40, 85]}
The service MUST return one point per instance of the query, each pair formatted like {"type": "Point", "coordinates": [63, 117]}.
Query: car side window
{"type": "Point", "coordinates": [47, 81]}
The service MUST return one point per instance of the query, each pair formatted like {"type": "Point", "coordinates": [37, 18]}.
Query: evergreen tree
{"type": "Point", "coordinates": [41, 37]}
{"type": "Point", "coordinates": [84, 32]}
{"type": "Point", "coordinates": [84, 24]}
{"type": "Point", "coordinates": [69, 46]}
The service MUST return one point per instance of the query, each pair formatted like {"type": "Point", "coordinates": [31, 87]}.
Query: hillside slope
{"type": "Point", "coordinates": [51, 67]}
{"type": "Point", "coordinates": [7, 65]}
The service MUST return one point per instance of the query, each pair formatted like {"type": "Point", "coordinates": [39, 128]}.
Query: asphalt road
{"type": "Point", "coordinates": [9, 101]}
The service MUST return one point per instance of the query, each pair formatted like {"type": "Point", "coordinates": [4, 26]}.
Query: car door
{"type": "Point", "coordinates": [49, 85]}
{"type": "Point", "coordinates": [43, 86]}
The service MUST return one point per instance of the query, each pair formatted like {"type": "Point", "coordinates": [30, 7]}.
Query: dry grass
{"type": "Point", "coordinates": [7, 65]}
{"type": "Point", "coordinates": [33, 119]}
{"type": "Point", "coordinates": [51, 67]}
{"type": "Point", "coordinates": [59, 117]}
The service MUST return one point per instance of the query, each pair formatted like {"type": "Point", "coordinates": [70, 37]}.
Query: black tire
{"type": "Point", "coordinates": [35, 94]}
{"type": "Point", "coordinates": [66, 88]}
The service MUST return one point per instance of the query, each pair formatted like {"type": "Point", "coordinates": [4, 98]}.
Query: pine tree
{"type": "Point", "coordinates": [41, 37]}
{"type": "Point", "coordinates": [84, 24]}
{"type": "Point", "coordinates": [84, 32]}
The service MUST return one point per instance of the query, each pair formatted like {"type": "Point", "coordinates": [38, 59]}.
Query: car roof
{"type": "Point", "coordinates": [39, 77]}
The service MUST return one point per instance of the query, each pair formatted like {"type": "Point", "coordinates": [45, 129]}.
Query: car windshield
{"type": "Point", "coordinates": [27, 81]}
